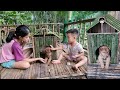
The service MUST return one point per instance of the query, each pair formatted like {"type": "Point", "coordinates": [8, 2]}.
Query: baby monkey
{"type": "Point", "coordinates": [104, 57]}
{"type": "Point", "coordinates": [46, 54]}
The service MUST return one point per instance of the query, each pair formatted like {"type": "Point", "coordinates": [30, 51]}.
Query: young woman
{"type": "Point", "coordinates": [12, 55]}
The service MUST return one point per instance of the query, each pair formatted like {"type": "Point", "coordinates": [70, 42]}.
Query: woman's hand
{"type": "Point", "coordinates": [42, 60]}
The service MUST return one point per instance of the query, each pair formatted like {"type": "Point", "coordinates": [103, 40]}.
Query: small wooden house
{"type": "Point", "coordinates": [44, 40]}
{"type": "Point", "coordinates": [104, 31]}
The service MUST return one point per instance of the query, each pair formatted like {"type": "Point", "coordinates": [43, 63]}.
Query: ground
{"type": "Point", "coordinates": [95, 72]}
{"type": "Point", "coordinates": [42, 71]}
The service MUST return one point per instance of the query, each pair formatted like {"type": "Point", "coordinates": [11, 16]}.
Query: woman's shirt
{"type": "Point", "coordinates": [6, 52]}
{"type": "Point", "coordinates": [17, 51]}
{"type": "Point", "coordinates": [11, 51]}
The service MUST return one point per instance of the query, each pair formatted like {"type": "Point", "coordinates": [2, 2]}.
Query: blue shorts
{"type": "Point", "coordinates": [8, 64]}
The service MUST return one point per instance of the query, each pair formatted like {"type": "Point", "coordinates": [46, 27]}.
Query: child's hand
{"type": "Point", "coordinates": [52, 48]}
{"type": "Point", "coordinates": [75, 56]}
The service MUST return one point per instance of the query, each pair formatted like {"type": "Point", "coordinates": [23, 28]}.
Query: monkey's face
{"type": "Point", "coordinates": [48, 50]}
{"type": "Point", "coordinates": [104, 49]}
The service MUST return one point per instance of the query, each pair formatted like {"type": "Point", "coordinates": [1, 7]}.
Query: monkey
{"type": "Point", "coordinates": [104, 57]}
{"type": "Point", "coordinates": [46, 54]}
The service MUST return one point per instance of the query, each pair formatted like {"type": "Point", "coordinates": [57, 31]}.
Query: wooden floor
{"type": "Point", "coordinates": [95, 72]}
{"type": "Point", "coordinates": [42, 71]}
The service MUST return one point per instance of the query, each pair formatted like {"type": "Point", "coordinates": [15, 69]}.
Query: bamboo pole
{"type": "Point", "coordinates": [33, 44]}
{"type": "Point", "coordinates": [53, 28]}
{"type": "Point", "coordinates": [0, 36]}
{"type": "Point", "coordinates": [58, 30]}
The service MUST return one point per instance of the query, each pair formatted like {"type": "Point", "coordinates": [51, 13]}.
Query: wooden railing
{"type": "Point", "coordinates": [54, 28]}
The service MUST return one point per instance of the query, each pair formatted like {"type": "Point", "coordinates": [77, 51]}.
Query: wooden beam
{"type": "Point", "coordinates": [32, 24]}
{"type": "Point", "coordinates": [81, 21]}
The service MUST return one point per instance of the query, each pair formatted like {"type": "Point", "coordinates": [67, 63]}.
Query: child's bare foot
{"type": "Point", "coordinates": [42, 60]}
{"type": "Point", "coordinates": [56, 61]}
{"type": "Point", "coordinates": [74, 68]}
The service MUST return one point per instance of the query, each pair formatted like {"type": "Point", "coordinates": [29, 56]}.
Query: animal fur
{"type": "Point", "coordinates": [104, 56]}
{"type": "Point", "coordinates": [47, 54]}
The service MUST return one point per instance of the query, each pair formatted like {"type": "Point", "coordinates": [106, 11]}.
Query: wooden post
{"type": "Point", "coordinates": [90, 24]}
{"type": "Point", "coordinates": [84, 34]}
{"type": "Point", "coordinates": [58, 29]}
{"type": "Point", "coordinates": [79, 33]}
{"type": "Point", "coordinates": [0, 36]}
{"type": "Point", "coordinates": [33, 44]}
{"type": "Point", "coordinates": [102, 27]}
{"type": "Point", "coordinates": [53, 29]}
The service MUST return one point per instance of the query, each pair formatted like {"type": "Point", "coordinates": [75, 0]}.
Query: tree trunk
{"type": "Point", "coordinates": [69, 18]}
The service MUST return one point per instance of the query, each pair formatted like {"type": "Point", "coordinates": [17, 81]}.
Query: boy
{"type": "Point", "coordinates": [75, 51]}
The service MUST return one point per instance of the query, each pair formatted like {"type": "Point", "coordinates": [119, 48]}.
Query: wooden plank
{"type": "Point", "coordinates": [18, 74]}
{"type": "Point", "coordinates": [93, 51]}
{"type": "Point", "coordinates": [90, 48]}
{"type": "Point", "coordinates": [116, 49]}
{"type": "Point", "coordinates": [12, 75]}
{"type": "Point", "coordinates": [101, 33]}
{"type": "Point", "coordinates": [38, 69]}
{"type": "Point", "coordinates": [81, 21]}
{"type": "Point", "coordinates": [51, 71]}
{"type": "Point", "coordinates": [42, 70]}
{"type": "Point", "coordinates": [60, 66]}
{"type": "Point", "coordinates": [58, 69]}
{"type": "Point", "coordinates": [26, 73]}
{"type": "Point", "coordinates": [33, 72]}
{"type": "Point", "coordinates": [4, 73]}
{"type": "Point", "coordinates": [47, 68]}
{"type": "Point", "coordinates": [1, 68]}
{"type": "Point", "coordinates": [63, 76]}
{"type": "Point", "coordinates": [95, 46]}
{"type": "Point", "coordinates": [55, 70]}
{"type": "Point", "coordinates": [8, 73]}
{"type": "Point", "coordinates": [95, 72]}
{"type": "Point", "coordinates": [65, 71]}
{"type": "Point", "coordinates": [69, 67]}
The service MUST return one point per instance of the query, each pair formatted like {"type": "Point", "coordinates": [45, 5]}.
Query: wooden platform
{"type": "Point", "coordinates": [95, 72]}
{"type": "Point", "coordinates": [42, 71]}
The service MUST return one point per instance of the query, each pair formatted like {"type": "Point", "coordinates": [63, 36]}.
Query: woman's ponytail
{"type": "Point", "coordinates": [10, 36]}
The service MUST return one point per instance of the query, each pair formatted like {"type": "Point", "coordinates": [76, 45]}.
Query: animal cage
{"type": "Point", "coordinates": [45, 40]}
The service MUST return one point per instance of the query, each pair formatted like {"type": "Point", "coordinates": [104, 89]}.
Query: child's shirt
{"type": "Point", "coordinates": [77, 49]}
{"type": "Point", "coordinates": [11, 51]}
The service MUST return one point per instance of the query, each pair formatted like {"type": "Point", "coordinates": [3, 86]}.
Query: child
{"type": "Point", "coordinates": [12, 52]}
{"type": "Point", "coordinates": [75, 52]}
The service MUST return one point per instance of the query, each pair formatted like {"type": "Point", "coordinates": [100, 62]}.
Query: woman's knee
{"type": "Point", "coordinates": [26, 65]}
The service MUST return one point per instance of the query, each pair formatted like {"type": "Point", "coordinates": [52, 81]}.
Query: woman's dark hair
{"type": "Point", "coordinates": [21, 30]}
{"type": "Point", "coordinates": [10, 36]}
